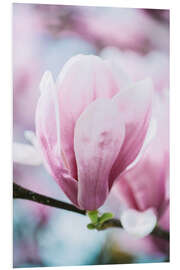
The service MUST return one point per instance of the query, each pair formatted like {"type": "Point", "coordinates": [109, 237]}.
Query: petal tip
{"type": "Point", "coordinates": [46, 81]}
{"type": "Point", "coordinates": [138, 224]}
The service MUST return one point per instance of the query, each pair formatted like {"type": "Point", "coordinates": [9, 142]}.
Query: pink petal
{"type": "Point", "coordinates": [122, 79]}
{"type": "Point", "coordinates": [59, 172]}
{"type": "Point", "coordinates": [165, 219]}
{"type": "Point", "coordinates": [145, 184]}
{"type": "Point", "coordinates": [83, 79]}
{"type": "Point", "coordinates": [124, 193]}
{"type": "Point", "coordinates": [46, 132]}
{"type": "Point", "coordinates": [46, 129]}
{"type": "Point", "coordinates": [139, 224]}
{"type": "Point", "coordinates": [135, 109]}
{"type": "Point", "coordinates": [26, 154]}
{"type": "Point", "coordinates": [99, 134]}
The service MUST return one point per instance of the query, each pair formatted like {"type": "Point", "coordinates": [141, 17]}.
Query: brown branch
{"type": "Point", "coordinates": [23, 193]}
{"type": "Point", "coordinates": [157, 232]}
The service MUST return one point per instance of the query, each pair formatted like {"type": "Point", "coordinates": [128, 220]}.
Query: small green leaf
{"type": "Point", "coordinates": [91, 226]}
{"type": "Point", "coordinates": [105, 217]}
{"type": "Point", "coordinates": [93, 215]}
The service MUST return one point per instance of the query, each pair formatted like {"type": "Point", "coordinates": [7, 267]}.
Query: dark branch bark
{"type": "Point", "coordinates": [157, 232]}
{"type": "Point", "coordinates": [23, 193]}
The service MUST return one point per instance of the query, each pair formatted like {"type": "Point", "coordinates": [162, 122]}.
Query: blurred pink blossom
{"type": "Point", "coordinates": [123, 28]}
{"type": "Point", "coordinates": [91, 125]}
{"type": "Point", "coordinates": [27, 65]}
{"type": "Point", "coordinates": [154, 64]}
{"type": "Point", "coordinates": [145, 187]}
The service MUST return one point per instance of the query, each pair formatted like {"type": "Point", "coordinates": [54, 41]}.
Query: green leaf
{"type": "Point", "coordinates": [105, 217]}
{"type": "Point", "coordinates": [91, 226]}
{"type": "Point", "coordinates": [93, 215]}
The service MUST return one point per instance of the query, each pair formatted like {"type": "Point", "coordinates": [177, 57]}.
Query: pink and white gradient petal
{"type": "Point", "coordinates": [99, 134]}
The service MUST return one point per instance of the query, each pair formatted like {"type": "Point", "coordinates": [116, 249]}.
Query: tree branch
{"type": "Point", "coordinates": [157, 232]}
{"type": "Point", "coordinates": [23, 193]}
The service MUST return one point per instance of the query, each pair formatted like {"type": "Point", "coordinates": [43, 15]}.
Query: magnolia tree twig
{"type": "Point", "coordinates": [23, 193]}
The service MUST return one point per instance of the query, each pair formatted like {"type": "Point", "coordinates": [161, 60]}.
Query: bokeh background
{"type": "Point", "coordinates": [45, 37]}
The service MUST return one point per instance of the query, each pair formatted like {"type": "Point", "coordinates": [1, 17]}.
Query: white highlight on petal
{"type": "Point", "coordinates": [149, 137]}
{"type": "Point", "coordinates": [151, 132]}
{"type": "Point", "coordinates": [47, 84]}
{"type": "Point", "coordinates": [67, 66]}
{"type": "Point", "coordinates": [46, 81]}
{"type": "Point", "coordinates": [139, 224]}
{"type": "Point", "coordinates": [26, 154]}
{"type": "Point", "coordinates": [56, 104]}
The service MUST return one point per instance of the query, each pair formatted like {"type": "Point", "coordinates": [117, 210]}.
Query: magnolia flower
{"type": "Point", "coordinates": [143, 191]}
{"type": "Point", "coordinates": [90, 126]}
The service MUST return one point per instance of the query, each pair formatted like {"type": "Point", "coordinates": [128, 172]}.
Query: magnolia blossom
{"type": "Point", "coordinates": [143, 191]}
{"type": "Point", "coordinates": [90, 126]}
